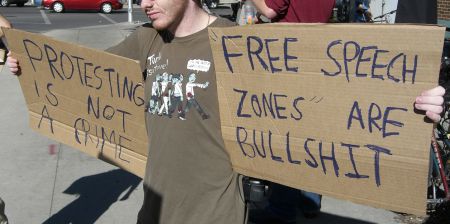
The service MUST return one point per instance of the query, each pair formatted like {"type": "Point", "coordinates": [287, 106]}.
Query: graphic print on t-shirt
{"type": "Point", "coordinates": [169, 95]}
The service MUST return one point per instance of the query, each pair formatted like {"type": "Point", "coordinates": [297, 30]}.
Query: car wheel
{"type": "Point", "coordinates": [4, 3]}
{"type": "Point", "coordinates": [20, 4]}
{"type": "Point", "coordinates": [58, 7]}
{"type": "Point", "coordinates": [213, 4]}
{"type": "Point", "coordinates": [106, 8]}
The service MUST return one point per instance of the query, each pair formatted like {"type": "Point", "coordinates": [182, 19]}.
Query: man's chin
{"type": "Point", "coordinates": [158, 26]}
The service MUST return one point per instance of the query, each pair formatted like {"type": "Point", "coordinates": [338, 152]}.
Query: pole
{"type": "Point", "coordinates": [130, 11]}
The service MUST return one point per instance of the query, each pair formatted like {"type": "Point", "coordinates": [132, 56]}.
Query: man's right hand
{"type": "Point", "coordinates": [13, 64]}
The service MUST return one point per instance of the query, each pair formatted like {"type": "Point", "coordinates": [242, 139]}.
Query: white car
{"type": "Point", "coordinates": [214, 3]}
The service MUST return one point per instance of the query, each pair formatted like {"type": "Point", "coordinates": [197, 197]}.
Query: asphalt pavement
{"type": "Point", "coordinates": [43, 181]}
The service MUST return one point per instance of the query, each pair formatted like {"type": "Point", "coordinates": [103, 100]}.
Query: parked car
{"type": "Point", "coordinates": [19, 3]}
{"type": "Point", "coordinates": [212, 4]}
{"type": "Point", "coordinates": [105, 6]}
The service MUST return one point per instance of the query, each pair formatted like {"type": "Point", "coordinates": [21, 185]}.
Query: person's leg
{"type": "Point", "coordinates": [235, 8]}
{"type": "Point", "coordinates": [283, 201]}
{"type": "Point", "coordinates": [280, 207]}
{"type": "Point", "coordinates": [310, 204]}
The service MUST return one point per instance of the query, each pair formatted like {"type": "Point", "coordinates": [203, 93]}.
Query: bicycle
{"type": "Point", "coordinates": [438, 190]}
{"type": "Point", "coordinates": [439, 180]}
{"type": "Point", "coordinates": [385, 18]}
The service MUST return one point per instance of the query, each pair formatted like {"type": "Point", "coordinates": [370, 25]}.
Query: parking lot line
{"type": "Point", "coordinates": [46, 20]}
{"type": "Point", "coordinates": [107, 18]}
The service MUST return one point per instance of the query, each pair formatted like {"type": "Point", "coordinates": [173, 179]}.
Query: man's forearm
{"type": "Point", "coordinates": [263, 9]}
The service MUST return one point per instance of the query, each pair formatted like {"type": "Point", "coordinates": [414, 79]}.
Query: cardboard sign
{"type": "Point", "coordinates": [329, 108]}
{"type": "Point", "coordinates": [87, 99]}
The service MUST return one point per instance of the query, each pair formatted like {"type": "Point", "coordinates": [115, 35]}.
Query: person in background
{"type": "Point", "coordinates": [298, 11]}
{"type": "Point", "coordinates": [284, 201]}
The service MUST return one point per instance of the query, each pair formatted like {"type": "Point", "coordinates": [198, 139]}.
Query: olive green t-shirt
{"type": "Point", "coordinates": [189, 178]}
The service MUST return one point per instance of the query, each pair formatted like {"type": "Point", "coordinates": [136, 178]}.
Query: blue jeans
{"type": "Point", "coordinates": [284, 201]}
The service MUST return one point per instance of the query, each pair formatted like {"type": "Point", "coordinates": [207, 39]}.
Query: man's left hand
{"type": "Point", "coordinates": [431, 102]}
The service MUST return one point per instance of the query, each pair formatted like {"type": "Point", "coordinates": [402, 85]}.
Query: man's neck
{"type": "Point", "coordinates": [193, 20]}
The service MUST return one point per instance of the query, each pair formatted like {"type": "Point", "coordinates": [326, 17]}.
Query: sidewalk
{"type": "Point", "coordinates": [40, 178]}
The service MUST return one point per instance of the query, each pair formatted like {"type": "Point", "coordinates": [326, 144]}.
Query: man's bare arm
{"type": "Point", "coordinates": [262, 8]}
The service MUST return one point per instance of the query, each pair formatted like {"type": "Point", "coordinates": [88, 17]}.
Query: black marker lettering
{"type": "Point", "coordinates": [26, 43]}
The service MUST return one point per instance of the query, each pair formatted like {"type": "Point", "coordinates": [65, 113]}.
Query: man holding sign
{"type": "Point", "coordinates": [189, 178]}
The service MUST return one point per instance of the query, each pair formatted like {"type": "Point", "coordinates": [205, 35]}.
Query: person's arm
{"type": "Point", "coordinates": [264, 10]}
